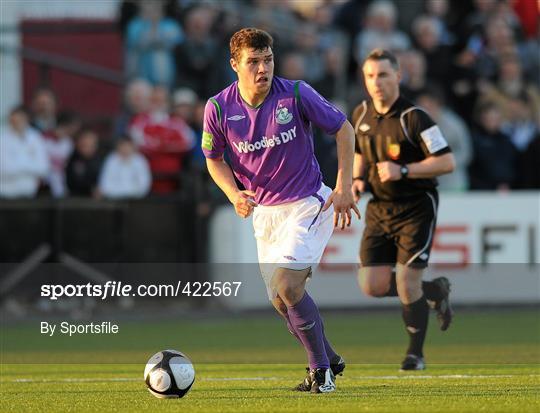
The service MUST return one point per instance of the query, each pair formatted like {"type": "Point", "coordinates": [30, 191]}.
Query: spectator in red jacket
{"type": "Point", "coordinates": [164, 140]}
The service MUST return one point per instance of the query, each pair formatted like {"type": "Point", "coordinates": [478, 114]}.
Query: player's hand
{"type": "Point", "coordinates": [343, 203]}
{"type": "Point", "coordinates": [357, 189]}
{"type": "Point", "coordinates": [388, 171]}
{"type": "Point", "coordinates": [243, 203]}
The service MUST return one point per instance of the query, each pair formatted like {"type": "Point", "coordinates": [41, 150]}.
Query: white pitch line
{"type": "Point", "coordinates": [241, 378]}
{"type": "Point", "coordinates": [77, 380]}
{"type": "Point", "coordinates": [444, 376]}
{"type": "Point", "coordinates": [131, 379]}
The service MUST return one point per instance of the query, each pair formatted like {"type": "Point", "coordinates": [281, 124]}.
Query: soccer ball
{"type": "Point", "coordinates": [169, 373]}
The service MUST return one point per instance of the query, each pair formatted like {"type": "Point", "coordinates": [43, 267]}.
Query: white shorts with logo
{"type": "Point", "coordinates": [292, 235]}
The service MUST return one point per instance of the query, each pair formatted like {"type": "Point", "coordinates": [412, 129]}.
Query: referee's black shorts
{"type": "Point", "coordinates": [399, 232]}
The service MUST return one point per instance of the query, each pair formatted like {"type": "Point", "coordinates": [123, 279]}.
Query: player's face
{"type": "Point", "coordinates": [382, 80]}
{"type": "Point", "coordinates": [255, 69]}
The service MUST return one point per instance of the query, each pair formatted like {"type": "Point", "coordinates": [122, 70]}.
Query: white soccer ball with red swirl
{"type": "Point", "coordinates": [168, 374]}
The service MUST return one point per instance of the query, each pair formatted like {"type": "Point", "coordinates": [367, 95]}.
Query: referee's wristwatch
{"type": "Point", "coordinates": [404, 171]}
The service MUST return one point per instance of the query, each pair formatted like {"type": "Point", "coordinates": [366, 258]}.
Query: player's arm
{"type": "Point", "coordinates": [438, 160]}
{"type": "Point", "coordinates": [342, 196]}
{"type": "Point", "coordinates": [213, 145]}
{"type": "Point", "coordinates": [222, 175]}
{"type": "Point", "coordinates": [345, 154]}
{"type": "Point", "coordinates": [327, 117]}
{"type": "Point", "coordinates": [432, 166]}
{"type": "Point", "coordinates": [358, 185]}
{"type": "Point", "coordinates": [359, 166]}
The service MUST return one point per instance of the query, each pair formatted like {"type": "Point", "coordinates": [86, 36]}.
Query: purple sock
{"type": "Point", "coordinates": [304, 317]}
{"type": "Point", "coordinates": [291, 329]}
{"type": "Point", "coordinates": [330, 353]}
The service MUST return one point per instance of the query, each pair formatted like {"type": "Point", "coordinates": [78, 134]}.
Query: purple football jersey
{"type": "Point", "coordinates": [270, 148]}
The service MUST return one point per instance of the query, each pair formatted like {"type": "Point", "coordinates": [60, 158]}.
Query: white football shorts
{"type": "Point", "coordinates": [292, 235]}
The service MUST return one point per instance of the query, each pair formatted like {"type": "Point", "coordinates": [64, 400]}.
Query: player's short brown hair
{"type": "Point", "coordinates": [381, 54]}
{"type": "Point", "coordinates": [249, 37]}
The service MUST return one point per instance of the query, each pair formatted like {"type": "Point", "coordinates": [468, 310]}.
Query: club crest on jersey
{"type": "Point", "coordinates": [282, 115]}
{"type": "Point", "coordinates": [393, 150]}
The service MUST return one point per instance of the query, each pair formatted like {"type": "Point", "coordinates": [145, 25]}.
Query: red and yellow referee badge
{"type": "Point", "coordinates": [393, 150]}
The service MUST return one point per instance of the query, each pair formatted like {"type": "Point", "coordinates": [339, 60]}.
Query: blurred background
{"type": "Point", "coordinates": [102, 176]}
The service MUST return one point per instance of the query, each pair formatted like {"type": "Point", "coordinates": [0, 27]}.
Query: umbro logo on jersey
{"type": "Point", "coordinates": [424, 256]}
{"type": "Point", "coordinates": [364, 127]}
{"type": "Point", "coordinates": [236, 117]}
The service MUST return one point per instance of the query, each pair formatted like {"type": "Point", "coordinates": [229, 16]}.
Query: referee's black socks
{"type": "Point", "coordinates": [431, 291]}
{"type": "Point", "coordinates": [415, 317]}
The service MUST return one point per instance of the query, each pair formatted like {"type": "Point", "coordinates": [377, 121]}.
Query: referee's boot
{"type": "Point", "coordinates": [413, 362]}
{"type": "Point", "coordinates": [442, 306]}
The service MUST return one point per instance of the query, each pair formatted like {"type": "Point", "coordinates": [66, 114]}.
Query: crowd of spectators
{"type": "Point", "coordinates": [473, 65]}
{"type": "Point", "coordinates": [55, 153]}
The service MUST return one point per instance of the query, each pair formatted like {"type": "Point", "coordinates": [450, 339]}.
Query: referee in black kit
{"type": "Point", "coordinates": [399, 153]}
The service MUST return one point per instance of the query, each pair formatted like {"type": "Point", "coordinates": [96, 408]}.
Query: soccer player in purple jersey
{"type": "Point", "coordinates": [264, 123]}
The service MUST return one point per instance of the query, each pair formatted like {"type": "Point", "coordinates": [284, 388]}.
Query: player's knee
{"type": "Point", "coordinates": [279, 305]}
{"type": "Point", "coordinates": [373, 289]}
{"type": "Point", "coordinates": [289, 287]}
{"type": "Point", "coordinates": [373, 282]}
{"type": "Point", "coordinates": [291, 296]}
{"type": "Point", "coordinates": [290, 293]}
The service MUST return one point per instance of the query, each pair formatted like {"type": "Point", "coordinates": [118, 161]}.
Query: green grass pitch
{"type": "Point", "coordinates": [488, 361]}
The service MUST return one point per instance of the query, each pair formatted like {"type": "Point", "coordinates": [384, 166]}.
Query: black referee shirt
{"type": "Point", "coordinates": [403, 135]}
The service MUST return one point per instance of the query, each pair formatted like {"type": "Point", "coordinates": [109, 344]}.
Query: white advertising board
{"type": "Point", "coordinates": [488, 244]}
